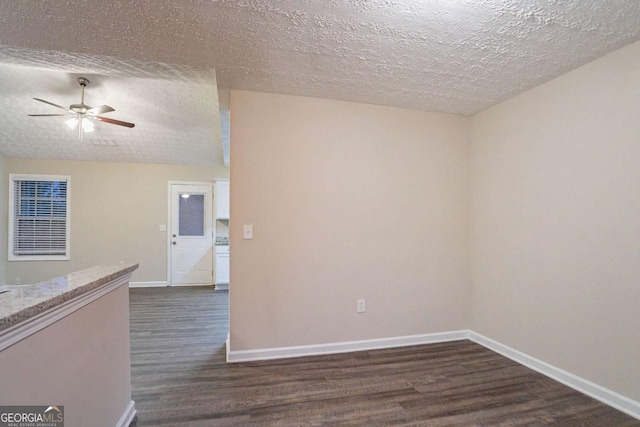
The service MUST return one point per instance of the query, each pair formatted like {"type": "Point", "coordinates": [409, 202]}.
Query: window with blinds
{"type": "Point", "coordinates": [39, 218]}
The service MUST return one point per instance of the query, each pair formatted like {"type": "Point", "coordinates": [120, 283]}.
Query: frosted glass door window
{"type": "Point", "coordinates": [191, 214]}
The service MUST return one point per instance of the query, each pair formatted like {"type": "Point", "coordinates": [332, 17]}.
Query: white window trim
{"type": "Point", "coordinates": [37, 177]}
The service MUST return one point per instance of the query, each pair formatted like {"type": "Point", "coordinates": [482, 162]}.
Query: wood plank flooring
{"type": "Point", "coordinates": [180, 378]}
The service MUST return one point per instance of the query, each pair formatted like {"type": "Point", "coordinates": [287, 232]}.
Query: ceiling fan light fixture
{"type": "Point", "coordinates": [71, 123]}
{"type": "Point", "coordinates": [87, 125]}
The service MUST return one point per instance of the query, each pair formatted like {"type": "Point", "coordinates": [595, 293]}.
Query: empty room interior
{"type": "Point", "coordinates": [402, 173]}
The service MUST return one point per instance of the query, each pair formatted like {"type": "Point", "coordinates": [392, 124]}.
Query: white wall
{"type": "Point", "coordinates": [555, 238]}
{"type": "Point", "coordinates": [116, 209]}
{"type": "Point", "coordinates": [347, 201]}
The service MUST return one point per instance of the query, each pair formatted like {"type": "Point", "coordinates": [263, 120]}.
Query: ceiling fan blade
{"type": "Point", "coordinates": [46, 115]}
{"type": "Point", "coordinates": [101, 109]}
{"type": "Point", "coordinates": [50, 103]}
{"type": "Point", "coordinates": [113, 122]}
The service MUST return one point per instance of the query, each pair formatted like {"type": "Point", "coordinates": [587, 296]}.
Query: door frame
{"type": "Point", "coordinates": [169, 217]}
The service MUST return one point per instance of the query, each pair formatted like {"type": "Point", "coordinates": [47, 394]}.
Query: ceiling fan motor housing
{"type": "Point", "coordinates": [79, 108]}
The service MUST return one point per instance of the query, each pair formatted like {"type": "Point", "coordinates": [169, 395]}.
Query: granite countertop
{"type": "Point", "coordinates": [25, 301]}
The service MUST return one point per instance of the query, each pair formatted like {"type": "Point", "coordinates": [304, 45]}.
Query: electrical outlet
{"type": "Point", "coordinates": [17, 281]}
{"type": "Point", "coordinates": [360, 306]}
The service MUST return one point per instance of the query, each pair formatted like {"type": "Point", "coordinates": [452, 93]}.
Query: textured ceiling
{"type": "Point", "coordinates": [456, 56]}
{"type": "Point", "coordinates": [176, 121]}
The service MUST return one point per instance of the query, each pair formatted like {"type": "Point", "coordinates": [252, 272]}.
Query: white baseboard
{"type": "Point", "coordinates": [190, 284]}
{"type": "Point", "coordinates": [128, 415]}
{"type": "Point", "coordinates": [148, 284]}
{"type": "Point", "coordinates": [163, 284]}
{"type": "Point", "coordinates": [604, 395]}
{"type": "Point", "coordinates": [222, 286]}
{"type": "Point", "coordinates": [341, 347]}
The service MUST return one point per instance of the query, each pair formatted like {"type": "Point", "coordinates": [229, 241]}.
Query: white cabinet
{"type": "Point", "coordinates": [222, 231]}
{"type": "Point", "coordinates": [222, 267]}
{"type": "Point", "coordinates": [222, 199]}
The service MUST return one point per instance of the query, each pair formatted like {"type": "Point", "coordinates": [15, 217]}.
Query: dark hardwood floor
{"type": "Point", "coordinates": [180, 378]}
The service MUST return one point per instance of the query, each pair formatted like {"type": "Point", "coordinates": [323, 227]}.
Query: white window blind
{"type": "Point", "coordinates": [39, 218]}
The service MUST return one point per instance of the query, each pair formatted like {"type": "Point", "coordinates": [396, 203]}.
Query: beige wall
{"type": "Point", "coordinates": [347, 201]}
{"type": "Point", "coordinates": [555, 239]}
{"type": "Point", "coordinates": [80, 362]}
{"type": "Point", "coordinates": [4, 203]}
{"type": "Point", "coordinates": [116, 209]}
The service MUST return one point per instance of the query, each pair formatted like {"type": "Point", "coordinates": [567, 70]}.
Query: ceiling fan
{"type": "Point", "coordinates": [83, 115]}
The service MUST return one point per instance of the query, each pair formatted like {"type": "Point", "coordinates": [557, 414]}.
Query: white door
{"type": "Point", "coordinates": [191, 243]}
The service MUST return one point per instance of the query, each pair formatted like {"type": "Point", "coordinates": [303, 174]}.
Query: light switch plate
{"type": "Point", "coordinates": [247, 232]}
{"type": "Point", "coordinates": [162, 227]}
